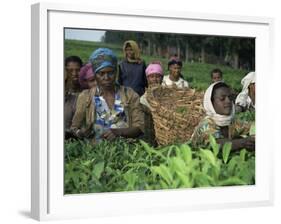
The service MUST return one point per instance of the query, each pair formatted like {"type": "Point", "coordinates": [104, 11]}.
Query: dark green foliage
{"type": "Point", "coordinates": [248, 115]}
{"type": "Point", "coordinates": [129, 165]}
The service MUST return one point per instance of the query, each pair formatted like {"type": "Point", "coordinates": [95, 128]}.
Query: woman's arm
{"type": "Point", "coordinates": [241, 143]}
{"type": "Point", "coordinates": [79, 117]}
{"type": "Point", "coordinates": [136, 115]}
{"type": "Point", "coordinates": [111, 134]}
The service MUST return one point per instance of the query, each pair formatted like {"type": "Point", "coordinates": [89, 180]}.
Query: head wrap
{"type": "Point", "coordinates": [174, 60]}
{"type": "Point", "coordinates": [135, 49]}
{"type": "Point", "coordinates": [85, 73]}
{"type": "Point", "coordinates": [243, 98]}
{"type": "Point", "coordinates": [220, 120]}
{"type": "Point", "coordinates": [248, 79]}
{"type": "Point", "coordinates": [102, 58]}
{"type": "Point", "coordinates": [154, 68]}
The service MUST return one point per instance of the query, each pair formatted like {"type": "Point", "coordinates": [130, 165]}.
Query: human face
{"type": "Point", "coordinates": [222, 101]}
{"type": "Point", "coordinates": [129, 52]}
{"type": "Point", "coordinates": [153, 79]}
{"type": "Point", "coordinates": [91, 82]}
{"type": "Point", "coordinates": [175, 71]}
{"type": "Point", "coordinates": [106, 78]}
{"type": "Point", "coordinates": [216, 77]}
{"type": "Point", "coordinates": [72, 70]}
{"type": "Point", "coordinates": [252, 92]}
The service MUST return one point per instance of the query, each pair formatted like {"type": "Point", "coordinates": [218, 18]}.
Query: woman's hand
{"type": "Point", "coordinates": [241, 143]}
{"type": "Point", "coordinates": [113, 133]}
{"type": "Point", "coordinates": [81, 133]}
{"type": "Point", "coordinates": [110, 134]}
{"type": "Point", "coordinates": [247, 143]}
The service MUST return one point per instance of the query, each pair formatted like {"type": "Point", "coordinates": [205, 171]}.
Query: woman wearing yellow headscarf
{"type": "Point", "coordinates": [132, 68]}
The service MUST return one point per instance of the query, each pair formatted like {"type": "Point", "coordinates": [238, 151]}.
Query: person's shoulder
{"type": "Point", "coordinates": [182, 80]}
{"type": "Point", "coordinates": [142, 62]}
{"type": "Point", "coordinates": [122, 62]}
{"type": "Point", "coordinates": [206, 123]}
{"type": "Point", "coordinates": [144, 103]}
{"type": "Point", "coordinates": [206, 119]}
{"type": "Point", "coordinates": [87, 93]}
{"type": "Point", "coordinates": [127, 90]}
{"type": "Point", "coordinates": [166, 78]}
{"type": "Point", "coordinates": [84, 93]}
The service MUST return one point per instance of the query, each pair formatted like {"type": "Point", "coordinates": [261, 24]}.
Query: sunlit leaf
{"type": "Point", "coordinates": [226, 151]}
{"type": "Point", "coordinates": [186, 153]}
{"type": "Point", "coordinates": [209, 156]}
{"type": "Point", "coordinates": [214, 145]}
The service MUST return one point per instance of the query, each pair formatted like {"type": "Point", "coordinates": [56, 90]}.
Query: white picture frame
{"type": "Point", "coordinates": [48, 201]}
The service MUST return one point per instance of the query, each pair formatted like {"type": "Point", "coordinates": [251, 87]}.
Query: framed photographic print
{"type": "Point", "coordinates": [135, 112]}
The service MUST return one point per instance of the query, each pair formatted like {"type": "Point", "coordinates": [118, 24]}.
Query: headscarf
{"type": "Point", "coordinates": [220, 120]}
{"type": "Point", "coordinates": [85, 73]}
{"type": "Point", "coordinates": [243, 98]}
{"type": "Point", "coordinates": [247, 80]}
{"type": "Point", "coordinates": [102, 58]}
{"type": "Point", "coordinates": [154, 68]}
{"type": "Point", "coordinates": [136, 50]}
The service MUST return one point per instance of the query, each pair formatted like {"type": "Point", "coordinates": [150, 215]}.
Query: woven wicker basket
{"type": "Point", "coordinates": [175, 111]}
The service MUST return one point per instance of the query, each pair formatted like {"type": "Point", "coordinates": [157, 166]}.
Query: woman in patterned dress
{"type": "Point", "coordinates": [107, 110]}
{"type": "Point", "coordinates": [220, 121]}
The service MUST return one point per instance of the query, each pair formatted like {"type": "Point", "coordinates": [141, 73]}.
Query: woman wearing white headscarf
{"type": "Point", "coordinates": [219, 120]}
{"type": "Point", "coordinates": [246, 99]}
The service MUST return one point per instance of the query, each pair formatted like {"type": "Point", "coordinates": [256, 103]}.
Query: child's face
{"type": "Point", "coordinates": [175, 70]}
{"type": "Point", "coordinates": [216, 77]}
{"type": "Point", "coordinates": [129, 52]}
{"type": "Point", "coordinates": [154, 79]}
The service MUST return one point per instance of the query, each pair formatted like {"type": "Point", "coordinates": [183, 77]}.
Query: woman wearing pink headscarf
{"type": "Point", "coordinates": [86, 74]}
{"type": "Point", "coordinates": [154, 76]}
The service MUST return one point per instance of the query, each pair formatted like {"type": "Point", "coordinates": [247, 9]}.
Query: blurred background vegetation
{"type": "Point", "coordinates": [200, 54]}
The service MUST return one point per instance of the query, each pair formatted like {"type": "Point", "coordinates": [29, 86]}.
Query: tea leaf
{"type": "Point", "coordinates": [209, 156]}
{"type": "Point", "coordinates": [232, 181]}
{"type": "Point", "coordinates": [226, 151]}
{"type": "Point", "coordinates": [184, 179]}
{"type": "Point", "coordinates": [186, 153]}
{"type": "Point", "coordinates": [214, 145]}
{"type": "Point", "coordinates": [163, 172]}
{"type": "Point", "coordinates": [242, 155]}
{"type": "Point", "coordinates": [98, 169]}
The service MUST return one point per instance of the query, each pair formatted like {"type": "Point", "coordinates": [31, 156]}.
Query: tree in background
{"type": "Point", "coordinates": [239, 53]}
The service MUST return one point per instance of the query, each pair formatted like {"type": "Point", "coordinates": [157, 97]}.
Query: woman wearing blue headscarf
{"type": "Point", "coordinates": [108, 110]}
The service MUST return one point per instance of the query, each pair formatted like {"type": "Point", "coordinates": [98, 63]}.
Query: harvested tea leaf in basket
{"type": "Point", "coordinates": [175, 111]}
